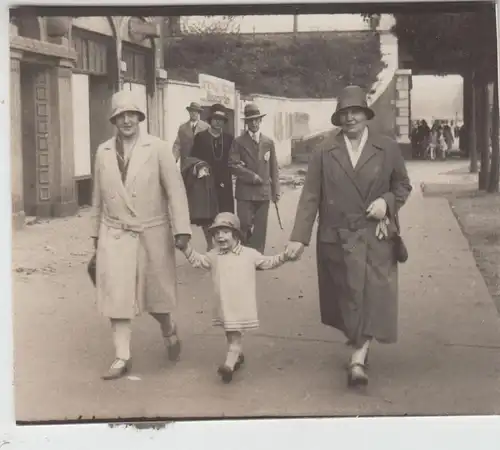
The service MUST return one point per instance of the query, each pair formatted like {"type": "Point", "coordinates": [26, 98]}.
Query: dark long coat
{"type": "Point", "coordinates": [357, 273]}
{"type": "Point", "coordinates": [218, 161]}
{"type": "Point", "coordinates": [201, 194]}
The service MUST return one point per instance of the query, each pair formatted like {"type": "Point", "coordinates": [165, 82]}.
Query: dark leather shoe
{"type": "Point", "coordinates": [239, 363]}
{"type": "Point", "coordinates": [173, 348]}
{"type": "Point", "coordinates": [226, 373]}
{"type": "Point", "coordinates": [118, 369]}
{"type": "Point", "coordinates": [356, 375]}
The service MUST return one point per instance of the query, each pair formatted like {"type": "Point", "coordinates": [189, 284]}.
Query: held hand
{"type": "Point", "coordinates": [203, 172]}
{"type": "Point", "coordinates": [181, 241]}
{"type": "Point", "coordinates": [377, 210]}
{"type": "Point", "coordinates": [294, 250]}
{"type": "Point", "coordinates": [276, 198]}
{"type": "Point", "coordinates": [257, 179]}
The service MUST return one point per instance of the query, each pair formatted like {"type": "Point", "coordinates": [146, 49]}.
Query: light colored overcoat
{"type": "Point", "coordinates": [357, 273]}
{"type": "Point", "coordinates": [136, 222]}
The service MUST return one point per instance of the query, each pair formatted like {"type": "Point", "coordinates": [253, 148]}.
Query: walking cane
{"type": "Point", "coordinates": [278, 214]}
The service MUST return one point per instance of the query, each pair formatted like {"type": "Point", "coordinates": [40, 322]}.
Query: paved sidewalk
{"type": "Point", "coordinates": [446, 361]}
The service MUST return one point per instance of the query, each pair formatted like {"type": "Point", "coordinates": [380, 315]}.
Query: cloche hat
{"type": "Point", "coordinates": [125, 101]}
{"type": "Point", "coordinates": [351, 97]}
{"type": "Point", "coordinates": [226, 220]}
{"type": "Point", "coordinates": [217, 111]}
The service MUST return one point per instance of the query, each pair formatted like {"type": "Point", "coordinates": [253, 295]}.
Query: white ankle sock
{"type": "Point", "coordinates": [122, 331]}
{"type": "Point", "coordinates": [359, 356]}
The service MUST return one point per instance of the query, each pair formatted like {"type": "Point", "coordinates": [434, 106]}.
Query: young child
{"type": "Point", "coordinates": [233, 269]}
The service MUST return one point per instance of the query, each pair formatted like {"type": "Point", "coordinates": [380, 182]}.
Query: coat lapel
{"type": "Point", "coordinates": [373, 158]}
{"type": "Point", "coordinates": [369, 151]}
{"type": "Point", "coordinates": [339, 152]}
{"type": "Point", "coordinates": [140, 155]}
{"type": "Point", "coordinates": [112, 166]}
{"type": "Point", "coordinates": [252, 148]}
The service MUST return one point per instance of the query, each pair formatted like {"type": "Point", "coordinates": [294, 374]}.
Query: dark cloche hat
{"type": "Point", "coordinates": [351, 97]}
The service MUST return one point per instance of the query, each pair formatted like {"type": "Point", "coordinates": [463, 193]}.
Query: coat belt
{"type": "Point", "coordinates": [137, 227]}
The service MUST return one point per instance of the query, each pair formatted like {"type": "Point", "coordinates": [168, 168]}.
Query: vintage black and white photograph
{"type": "Point", "coordinates": [248, 211]}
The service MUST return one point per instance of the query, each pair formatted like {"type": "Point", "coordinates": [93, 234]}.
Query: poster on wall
{"type": "Point", "coordinates": [81, 125]}
{"type": "Point", "coordinates": [141, 96]}
{"type": "Point", "coordinates": [217, 90]}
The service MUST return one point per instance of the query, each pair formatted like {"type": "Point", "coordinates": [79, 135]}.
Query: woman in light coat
{"type": "Point", "coordinates": [139, 205]}
{"type": "Point", "coordinates": [357, 185]}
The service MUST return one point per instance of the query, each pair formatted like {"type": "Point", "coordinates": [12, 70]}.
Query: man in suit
{"type": "Point", "coordinates": [187, 131]}
{"type": "Point", "coordinates": [253, 161]}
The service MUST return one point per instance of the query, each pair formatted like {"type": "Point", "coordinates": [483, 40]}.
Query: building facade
{"type": "Point", "coordinates": [64, 71]}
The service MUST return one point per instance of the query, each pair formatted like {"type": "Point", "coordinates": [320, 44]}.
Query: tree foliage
{"type": "Point", "coordinates": [449, 42]}
{"type": "Point", "coordinates": [316, 65]}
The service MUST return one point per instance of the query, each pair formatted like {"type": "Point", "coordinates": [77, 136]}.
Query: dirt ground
{"type": "Point", "coordinates": [478, 214]}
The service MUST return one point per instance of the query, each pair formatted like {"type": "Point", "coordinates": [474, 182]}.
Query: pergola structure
{"type": "Point", "coordinates": [464, 44]}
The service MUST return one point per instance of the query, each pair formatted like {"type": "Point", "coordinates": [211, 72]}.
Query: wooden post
{"type": "Point", "coordinates": [472, 126]}
{"type": "Point", "coordinates": [494, 181]}
{"type": "Point", "coordinates": [483, 132]}
{"type": "Point", "coordinates": [467, 138]}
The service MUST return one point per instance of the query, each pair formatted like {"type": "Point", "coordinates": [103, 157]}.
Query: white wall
{"type": "Point", "coordinates": [81, 124]}
{"type": "Point", "coordinates": [278, 123]}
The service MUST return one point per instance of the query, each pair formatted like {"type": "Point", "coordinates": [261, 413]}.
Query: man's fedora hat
{"type": "Point", "coordinates": [194, 106]}
{"type": "Point", "coordinates": [251, 112]}
{"type": "Point", "coordinates": [218, 111]}
{"type": "Point", "coordinates": [125, 101]}
{"type": "Point", "coordinates": [351, 97]}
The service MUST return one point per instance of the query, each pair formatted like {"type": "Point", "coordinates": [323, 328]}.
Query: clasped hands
{"type": "Point", "coordinates": [377, 210]}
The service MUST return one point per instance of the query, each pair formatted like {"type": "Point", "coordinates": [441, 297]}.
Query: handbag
{"type": "Point", "coordinates": [92, 269]}
{"type": "Point", "coordinates": [400, 249]}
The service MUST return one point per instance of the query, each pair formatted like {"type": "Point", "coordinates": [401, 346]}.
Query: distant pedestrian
{"type": "Point", "coordinates": [139, 203]}
{"type": "Point", "coordinates": [254, 162]}
{"type": "Point", "coordinates": [187, 131]}
{"type": "Point", "coordinates": [209, 158]}
{"type": "Point", "coordinates": [357, 185]}
{"type": "Point", "coordinates": [233, 269]}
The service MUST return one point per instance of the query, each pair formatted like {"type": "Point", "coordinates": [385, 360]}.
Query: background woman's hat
{"type": "Point", "coordinates": [252, 111]}
{"type": "Point", "coordinates": [351, 97]}
{"type": "Point", "coordinates": [226, 220]}
{"type": "Point", "coordinates": [125, 101]}
{"type": "Point", "coordinates": [218, 111]}
{"type": "Point", "coordinates": [194, 106]}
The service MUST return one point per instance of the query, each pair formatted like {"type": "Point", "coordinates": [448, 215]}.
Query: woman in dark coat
{"type": "Point", "coordinates": [357, 184]}
{"type": "Point", "coordinates": [207, 166]}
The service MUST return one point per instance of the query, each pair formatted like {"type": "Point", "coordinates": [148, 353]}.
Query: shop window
{"type": "Point", "coordinates": [92, 54]}
{"type": "Point", "coordinates": [137, 63]}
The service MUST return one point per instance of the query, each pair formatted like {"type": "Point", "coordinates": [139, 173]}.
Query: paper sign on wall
{"type": "Point", "coordinates": [216, 90]}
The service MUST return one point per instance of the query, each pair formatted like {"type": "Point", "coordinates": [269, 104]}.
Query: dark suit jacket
{"type": "Point", "coordinates": [341, 194]}
{"type": "Point", "coordinates": [185, 138]}
{"type": "Point", "coordinates": [248, 158]}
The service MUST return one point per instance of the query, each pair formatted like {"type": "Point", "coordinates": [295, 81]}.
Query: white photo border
{"type": "Point", "coordinates": [374, 433]}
